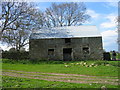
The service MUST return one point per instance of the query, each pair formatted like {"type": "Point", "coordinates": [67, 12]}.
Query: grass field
{"type": "Point", "coordinates": [59, 74]}
{"type": "Point", "coordinates": [15, 82]}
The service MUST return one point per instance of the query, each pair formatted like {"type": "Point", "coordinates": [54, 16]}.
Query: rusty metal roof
{"type": "Point", "coordinates": [66, 32]}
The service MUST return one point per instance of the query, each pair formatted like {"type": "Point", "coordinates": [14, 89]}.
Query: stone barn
{"type": "Point", "coordinates": [66, 43]}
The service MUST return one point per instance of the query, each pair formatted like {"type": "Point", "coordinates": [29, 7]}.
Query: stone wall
{"type": "Point", "coordinates": [82, 48]}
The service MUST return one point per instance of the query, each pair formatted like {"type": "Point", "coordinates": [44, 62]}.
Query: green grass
{"type": "Point", "coordinates": [100, 70]}
{"type": "Point", "coordinates": [15, 82]}
{"type": "Point", "coordinates": [118, 55]}
{"type": "Point", "coordinates": [103, 68]}
{"type": "Point", "coordinates": [53, 68]}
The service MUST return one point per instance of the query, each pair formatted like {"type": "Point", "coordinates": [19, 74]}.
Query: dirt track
{"type": "Point", "coordinates": [72, 78]}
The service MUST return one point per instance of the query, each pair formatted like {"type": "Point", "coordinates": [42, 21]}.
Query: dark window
{"type": "Point", "coordinates": [85, 50]}
{"type": "Point", "coordinates": [67, 40]}
{"type": "Point", "coordinates": [50, 51]}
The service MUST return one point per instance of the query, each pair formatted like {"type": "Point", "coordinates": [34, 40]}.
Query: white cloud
{"type": "Point", "coordinates": [111, 4]}
{"type": "Point", "coordinates": [4, 47]}
{"type": "Point", "coordinates": [111, 21]}
{"type": "Point", "coordinates": [0, 22]}
{"type": "Point", "coordinates": [109, 38]}
{"type": "Point", "coordinates": [37, 7]}
{"type": "Point", "coordinates": [92, 13]}
{"type": "Point", "coordinates": [109, 33]}
{"type": "Point", "coordinates": [108, 25]}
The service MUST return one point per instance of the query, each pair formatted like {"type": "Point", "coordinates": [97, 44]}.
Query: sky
{"type": "Point", "coordinates": [103, 15]}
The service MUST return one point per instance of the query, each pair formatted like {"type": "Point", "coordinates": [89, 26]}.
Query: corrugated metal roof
{"type": "Point", "coordinates": [66, 32]}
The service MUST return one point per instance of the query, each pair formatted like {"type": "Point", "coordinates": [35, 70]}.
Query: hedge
{"type": "Point", "coordinates": [16, 55]}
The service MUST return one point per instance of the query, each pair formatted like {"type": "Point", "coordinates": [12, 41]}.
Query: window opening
{"type": "Point", "coordinates": [85, 50]}
{"type": "Point", "coordinates": [50, 51]}
{"type": "Point", "coordinates": [67, 40]}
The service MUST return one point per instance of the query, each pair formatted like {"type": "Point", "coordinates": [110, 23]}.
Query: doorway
{"type": "Point", "coordinates": [67, 54]}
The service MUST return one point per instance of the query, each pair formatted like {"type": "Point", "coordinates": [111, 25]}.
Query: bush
{"type": "Point", "coordinates": [16, 61]}
{"type": "Point", "coordinates": [12, 61]}
{"type": "Point", "coordinates": [16, 55]}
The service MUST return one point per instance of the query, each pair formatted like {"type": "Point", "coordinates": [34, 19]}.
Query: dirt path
{"type": "Point", "coordinates": [72, 78]}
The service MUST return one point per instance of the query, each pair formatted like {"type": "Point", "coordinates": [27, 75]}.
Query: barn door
{"type": "Point", "coordinates": [67, 54]}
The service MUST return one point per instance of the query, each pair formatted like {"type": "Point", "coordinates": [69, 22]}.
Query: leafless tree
{"type": "Point", "coordinates": [16, 38]}
{"type": "Point", "coordinates": [19, 19]}
{"type": "Point", "coordinates": [66, 14]}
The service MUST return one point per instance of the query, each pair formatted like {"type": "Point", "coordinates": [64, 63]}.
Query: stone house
{"type": "Point", "coordinates": [66, 43]}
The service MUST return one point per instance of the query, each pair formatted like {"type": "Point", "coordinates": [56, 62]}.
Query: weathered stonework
{"type": "Point", "coordinates": [83, 48]}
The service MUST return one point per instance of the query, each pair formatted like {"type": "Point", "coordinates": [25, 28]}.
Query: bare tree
{"type": "Point", "coordinates": [18, 22]}
{"type": "Point", "coordinates": [17, 38]}
{"type": "Point", "coordinates": [7, 17]}
{"type": "Point", "coordinates": [66, 14]}
{"type": "Point", "coordinates": [14, 11]}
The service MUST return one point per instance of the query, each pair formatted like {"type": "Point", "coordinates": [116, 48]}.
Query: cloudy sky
{"type": "Point", "coordinates": [103, 15]}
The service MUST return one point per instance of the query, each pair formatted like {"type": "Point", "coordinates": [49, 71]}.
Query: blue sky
{"type": "Point", "coordinates": [103, 15]}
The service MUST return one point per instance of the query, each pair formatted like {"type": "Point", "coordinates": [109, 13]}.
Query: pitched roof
{"type": "Point", "coordinates": [66, 32]}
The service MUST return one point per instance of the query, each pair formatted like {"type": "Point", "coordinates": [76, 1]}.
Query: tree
{"type": "Point", "coordinates": [16, 38]}
{"type": "Point", "coordinates": [7, 17]}
{"type": "Point", "coordinates": [19, 19]}
{"type": "Point", "coordinates": [66, 14]}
